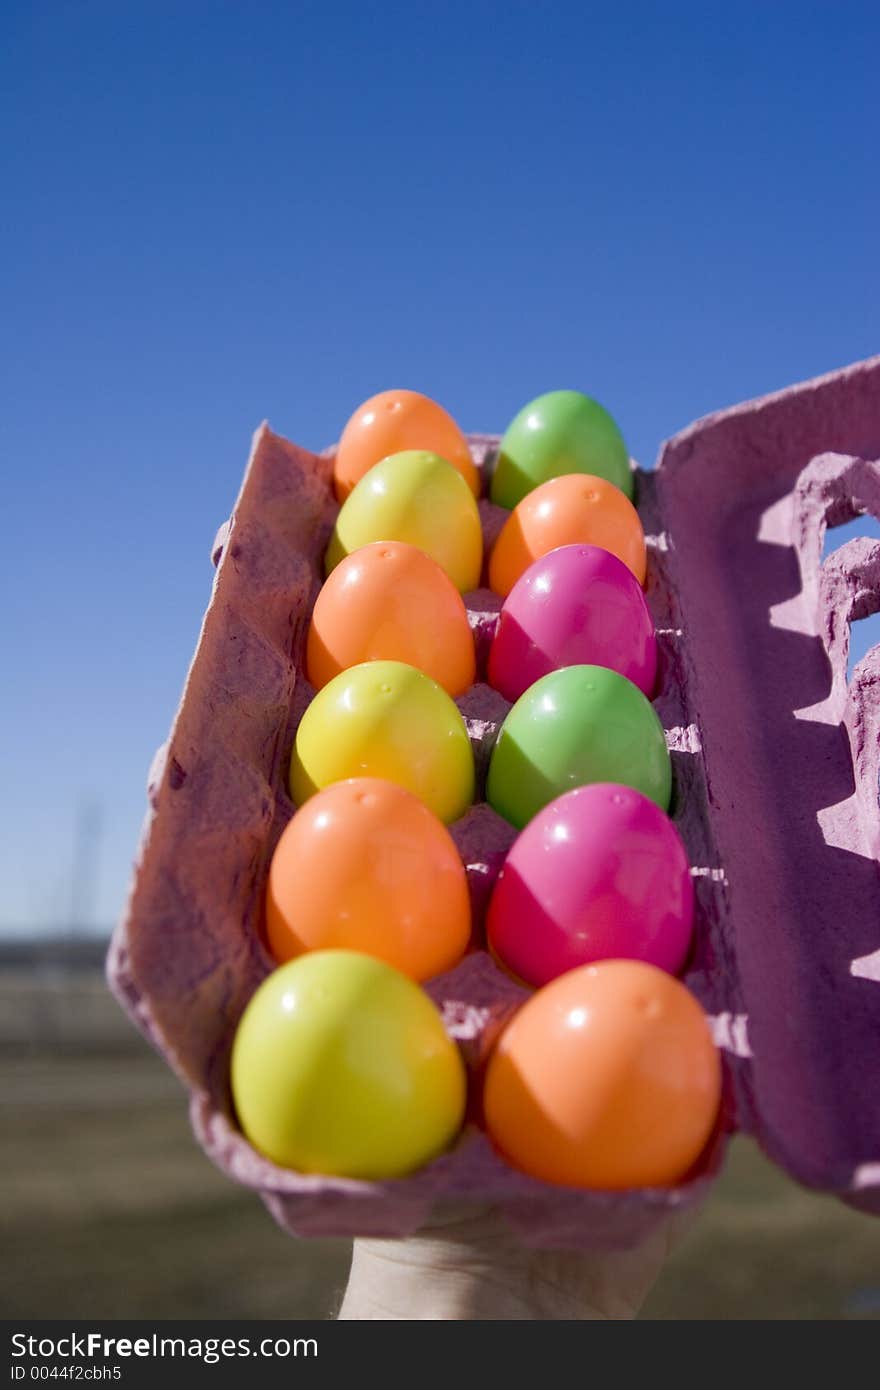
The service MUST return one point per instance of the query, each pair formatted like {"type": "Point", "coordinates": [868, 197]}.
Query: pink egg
{"type": "Point", "coordinates": [600, 873]}
{"type": "Point", "coordinates": [577, 605]}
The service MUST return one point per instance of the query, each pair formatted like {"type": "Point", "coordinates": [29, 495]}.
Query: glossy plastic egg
{"type": "Point", "coordinates": [574, 510]}
{"type": "Point", "coordinates": [386, 719]}
{"type": "Point", "coordinates": [577, 605]}
{"type": "Point", "coordinates": [365, 866]}
{"type": "Point", "coordinates": [419, 498]}
{"type": "Point", "coordinates": [392, 422]}
{"type": "Point", "coordinates": [606, 1078]}
{"type": "Point", "coordinates": [600, 873]}
{"type": "Point", "coordinates": [341, 1065]}
{"type": "Point", "coordinates": [560, 432]}
{"type": "Point", "coordinates": [579, 725]}
{"type": "Point", "coordinates": [391, 601]}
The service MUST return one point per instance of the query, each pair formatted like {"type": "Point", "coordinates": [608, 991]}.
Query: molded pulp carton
{"type": "Point", "coordinates": [775, 763]}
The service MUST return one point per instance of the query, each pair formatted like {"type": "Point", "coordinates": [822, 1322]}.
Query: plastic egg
{"type": "Point", "coordinates": [392, 422]}
{"type": "Point", "coordinates": [600, 873]}
{"type": "Point", "coordinates": [574, 510]}
{"type": "Point", "coordinates": [419, 498]}
{"type": "Point", "coordinates": [341, 1065]}
{"type": "Point", "coordinates": [560, 432]}
{"type": "Point", "coordinates": [606, 1078]}
{"type": "Point", "coordinates": [391, 601]}
{"type": "Point", "coordinates": [577, 605]}
{"type": "Point", "coordinates": [386, 719]}
{"type": "Point", "coordinates": [365, 866]}
{"type": "Point", "coordinates": [575, 726]}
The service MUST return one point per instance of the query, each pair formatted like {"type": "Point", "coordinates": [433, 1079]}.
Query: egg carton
{"type": "Point", "coordinates": [775, 762]}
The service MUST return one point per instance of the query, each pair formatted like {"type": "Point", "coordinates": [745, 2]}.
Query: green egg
{"type": "Point", "coordinates": [573, 727]}
{"type": "Point", "coordinates": [560, 432]}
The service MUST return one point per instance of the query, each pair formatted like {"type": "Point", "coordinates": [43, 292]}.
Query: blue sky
{"type": "Point", "coordinates": [215, 213]}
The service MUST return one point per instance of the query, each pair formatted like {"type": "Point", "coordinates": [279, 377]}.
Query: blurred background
{"type": "Point", "coordinates": [216, 213]}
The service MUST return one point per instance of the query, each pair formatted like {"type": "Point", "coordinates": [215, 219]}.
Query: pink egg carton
{"type": "Point", "coordinates": [776, 763]}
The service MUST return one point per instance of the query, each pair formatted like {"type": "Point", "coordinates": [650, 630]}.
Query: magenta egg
{"type": "Point", "coordinates": [600, 873]}
{"type": "Point", "coordinates": [577, 605]}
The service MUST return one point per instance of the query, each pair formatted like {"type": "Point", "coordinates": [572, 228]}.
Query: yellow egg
{"type": "Point", "coordinates": [419, 498]}
{"type": "Point", "coordinates": [386, 719]}
{"type": "Point", "coordinates": [341, 1065]}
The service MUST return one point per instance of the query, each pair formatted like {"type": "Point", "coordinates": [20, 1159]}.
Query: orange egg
{"type": "Point", "coordinates": [364, 865]}
{"type": "Point", "coordinates": [391, 423]}
{"type": "Point", "coordinates": [606, 1078]}
{"type": "Point", "coordinates": [390, 601]}
{"type": "Point", "coordinates": [576, 509]}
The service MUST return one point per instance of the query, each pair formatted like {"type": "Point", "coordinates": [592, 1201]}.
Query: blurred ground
{"type": "Point", "coordinates": [112, 1211]}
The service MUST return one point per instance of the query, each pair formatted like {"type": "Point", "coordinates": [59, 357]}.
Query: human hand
{"type": "Point", "coordinates": [471, 1266]}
